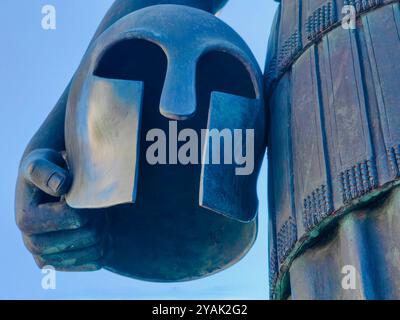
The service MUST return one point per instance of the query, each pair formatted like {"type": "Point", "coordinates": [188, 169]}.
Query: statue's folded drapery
{"type": "Point", "coordinates": [334, 148]}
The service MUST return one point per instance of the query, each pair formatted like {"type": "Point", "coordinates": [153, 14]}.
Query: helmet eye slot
{"type": "Point", "coordinates": [135, 59]}
{"type": "Point", "coordinates": [222, 72]}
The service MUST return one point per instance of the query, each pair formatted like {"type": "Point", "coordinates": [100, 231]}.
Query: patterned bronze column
{"type": "Point", "coordinates": [333, 142]}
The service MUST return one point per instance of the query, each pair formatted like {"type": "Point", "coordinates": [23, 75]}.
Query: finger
{"type": "Point", "coordinates": [43, 168]}
{"type": "Point", "coordinates": [61, 241]}
{"type": "Point", "coordinates": [91, 266]}
{"type": "Point", "coordinates": [49, 217]}
{"type": "Point", "coordinates": [71, 259]}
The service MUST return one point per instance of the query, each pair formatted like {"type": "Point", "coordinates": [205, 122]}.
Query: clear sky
{"type": "Point", "coordinates": [35, 67]}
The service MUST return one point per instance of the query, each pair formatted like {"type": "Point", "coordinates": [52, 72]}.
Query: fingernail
{"type": "Point", "coordinates": [55, 182]}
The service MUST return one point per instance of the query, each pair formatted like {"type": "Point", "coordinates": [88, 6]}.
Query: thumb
{"type": "Point", "coordinates": [43, 168]}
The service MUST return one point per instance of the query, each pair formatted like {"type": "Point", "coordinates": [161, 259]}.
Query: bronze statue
{"type": "Point", "coordinates": [87, 198]}
{"type": "Point", "coordinates": [334, 149]}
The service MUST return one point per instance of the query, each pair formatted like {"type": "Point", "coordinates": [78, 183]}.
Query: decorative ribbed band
{"type": "Point", "coordinates": [394, 159]}
{"type": "Point", "coordinates": [286, 239]}
{"type": "Point", "coordinates": [289, 49]}
{"type": "Point", "coordinates": [358, 180]}
{"type": "Point", "coordinates": [317, 24]}
{"type": "Point", "coordinates": [320, 20]}
{"type": "Point", "coordinates": [316, 207]}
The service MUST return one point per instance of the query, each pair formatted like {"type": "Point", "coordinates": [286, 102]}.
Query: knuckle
{"type": "Point", "coordinates": [24, 222]}
{"type": "Point", "coordinates": [31, 166]}
{"type": "Point", "coordinates": [76, 221]}
{"type": "Point", "coordinates": [33, 245]}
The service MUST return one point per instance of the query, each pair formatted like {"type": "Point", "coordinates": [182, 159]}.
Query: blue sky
{"type": "Point", "coordinates": [36, 65]}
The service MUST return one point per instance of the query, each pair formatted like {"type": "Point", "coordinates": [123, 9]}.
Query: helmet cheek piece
{"type": "Point", "coordinates": [104, 157]}
{"type": "Point", "coordinates": [229, 188]}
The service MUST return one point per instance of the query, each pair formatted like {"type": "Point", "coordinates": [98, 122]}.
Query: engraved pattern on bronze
{"type": "Point", "coordinates": [351, 78]}
{"type": "Point", "coordinates": [273, 267]}
{"type": "Point", "coordinates": [394, 159]}
{"type": "Point", "coordinates": [362, 5]}
{"type": "Point", "coordinates": [386, 21]}
{"type": "Point", "coordinates": [290, 48]}
{"type": "Point", "coordinates": [287, 237]}
{"type": "Point", "coordinates": [320, 20]}
{"type": "Point", "coordinates": [358, 180]}
{"type": "Point", "coordinates": [310, 158]}
{"type": "Point", "coordinates": [317, 206]}
{"type": "Point", "coordinates": [317, 25]}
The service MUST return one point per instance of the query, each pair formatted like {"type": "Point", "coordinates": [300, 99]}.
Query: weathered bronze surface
{"type": "Point", "coordinates": [153, 222]}
{"type": "Point", "coordinates": [333, 147]}
{"type": "Point", "coordinates": [86, 198]}
{"type": "Point", "coordinates": [104, 162]}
